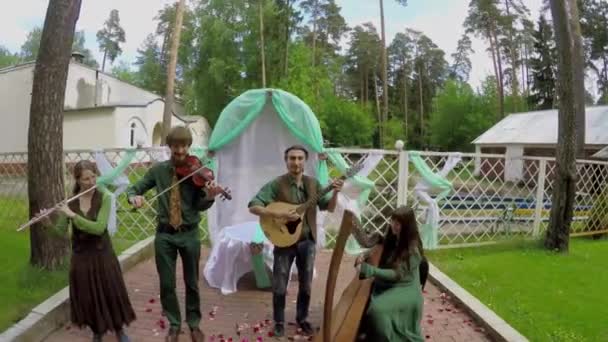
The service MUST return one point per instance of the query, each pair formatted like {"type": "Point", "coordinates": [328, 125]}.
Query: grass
{"type": "Point", "coordinates": [22, 287]}
{"type": "Point", "coordinates": [545, 296]}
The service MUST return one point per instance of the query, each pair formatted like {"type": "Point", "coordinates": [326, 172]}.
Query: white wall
{"type": "Point", "coordinates": [146, 119]}
{"type": "Point", "coordinates": [15, 99]}
{"type": "Point", "coordinates": [124, 117]}
{"type": "Point", "coordinates": [200, 132]}
{"type": "Point", "coordinates": [514, 164]}
{"type": "Point", "coordinates": [81, 89]}
{"type": "Point", "coordinates": [89, 129]}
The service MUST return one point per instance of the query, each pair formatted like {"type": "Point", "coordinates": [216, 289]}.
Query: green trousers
{"type": "Point", "coordinates": [188, 245]}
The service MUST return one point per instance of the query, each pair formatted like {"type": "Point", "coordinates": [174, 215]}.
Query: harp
{"type": "Point", "coordinates": [341, 324]}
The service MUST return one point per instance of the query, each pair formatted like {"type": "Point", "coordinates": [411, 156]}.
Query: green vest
{"type": "Point", "coordinates": [310, 218]}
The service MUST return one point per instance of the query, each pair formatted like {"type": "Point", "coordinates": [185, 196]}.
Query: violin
{"type": "Point", "coordinates": [201, 177]}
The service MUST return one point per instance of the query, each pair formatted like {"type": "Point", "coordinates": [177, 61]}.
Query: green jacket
{"type": "Point", "coordinates": [270, 192]}
{"type": "Point", "coordinates": [193, 199]}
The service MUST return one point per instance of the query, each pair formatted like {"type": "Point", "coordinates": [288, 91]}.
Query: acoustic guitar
{"type": "Point", "coordinates": [284, 233]}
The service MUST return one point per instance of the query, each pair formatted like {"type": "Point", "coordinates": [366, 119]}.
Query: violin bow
{"type": "Point", "coordinates": [174, 185]}
{"type": "Point", "coordinates": [52, 210]}
{"type": "Point", "coordinates": [178, 182]}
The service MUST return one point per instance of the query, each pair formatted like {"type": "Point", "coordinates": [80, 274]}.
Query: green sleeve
{"type": "Point", "coordinates": [99, 226]}
{"type": "Point", "coordinates": [323, 202]}
{"type": "Point", "coordinates": [60, 227]}
{"type": "Point", "coordinates": [267, 194]}
{"type": "Point", "coordinates": [387, 274]}
{"type": "Point", "coordinates": [390, 274]}
{"type": "Point", "coordinates": [140, 187]}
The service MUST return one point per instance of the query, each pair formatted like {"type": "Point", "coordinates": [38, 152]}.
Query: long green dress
{"type": "Point", "coordinates": [395, 307]}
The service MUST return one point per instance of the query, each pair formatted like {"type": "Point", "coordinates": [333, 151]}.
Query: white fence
{"type": "Point", "coordinates": [481, 206]}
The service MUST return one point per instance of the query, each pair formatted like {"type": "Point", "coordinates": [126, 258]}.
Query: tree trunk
{"type": "Point", "coordinates": [287, 38]}
{"type": "Point", "coordinates": [499, 79]}
{"type": "Point", "coordinates": [378, 111]}
{"type": "Point", "coordinates": [169, 94]}
{"type": "Point", "coordinates": [45, 134]}
{"type": "Point", "coordinates": [163, 51]}
{"type": "Point", "coordinates": [495, 65]}
{"type": "Point", "coordinates": [527, 68]}
{"type": "Point", "coordinates": [366, 87]}
{"type": "Point", "coordinates": [565, 18]}
{"type": "Point", "coordinates": [405, 106]}
{"type": "Point", "coordinates": [314, 32]}
{"type": "Point", "coordinates": [514, 85]}
{"type": "Point", "coordinates": [103, 64]}
{"type": "Point", "coordinates": [362, 94]}
{"type": "Point", "coordinates": [421, 106]}
{"type": "Point", "coordinates": [262, 43]}
{"type": "Point", "coordinates": [523, 70]}
{"type": "Point", "coordinates": [578, 60]}
{"type": "Point", "coordinates": [384, 67]}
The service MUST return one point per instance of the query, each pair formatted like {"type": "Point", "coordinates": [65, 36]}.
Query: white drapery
{"type": "Point", "coordinates": [430, 227]}
{"type": "Point", "coordinates": [245, 165]}
{"type": "Point", "coordinates": [121, 182]}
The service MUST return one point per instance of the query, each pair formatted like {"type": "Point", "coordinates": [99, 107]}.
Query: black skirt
{"type": "Point", "coordinates": [98, 295]}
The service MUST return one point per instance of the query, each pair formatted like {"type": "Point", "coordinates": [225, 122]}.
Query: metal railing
{"type": "Point", "coordinates": [492, 198]}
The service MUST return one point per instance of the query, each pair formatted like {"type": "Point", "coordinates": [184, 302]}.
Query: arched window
{"type": "Point", "coordinates": [132, 136]}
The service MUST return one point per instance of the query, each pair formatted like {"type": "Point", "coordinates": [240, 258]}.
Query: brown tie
{"type": "Point", "coordinates": [175, 210]}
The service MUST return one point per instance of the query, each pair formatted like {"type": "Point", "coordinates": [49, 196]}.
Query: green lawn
{"type": "Point", "coordinates": [23, 287]}
{"type": "Point", "coordinates": [545, 296]}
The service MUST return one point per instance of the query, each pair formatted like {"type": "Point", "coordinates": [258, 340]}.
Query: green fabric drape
{"type": "Point", "coordinates": [429, 231]}
{"type": "Point", "coordinates": [236, 117]}
{"type": "Point", "coordinates": [108, 178]}
{"type": "Point", "coordinates": [299, 119]}
{"type": "Point", "coordinates": [295, 114]}
{"type": "Point", "coordinates": [433, 179]}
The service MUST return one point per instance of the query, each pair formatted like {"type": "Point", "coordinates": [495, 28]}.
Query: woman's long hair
{"type": "Point", "coordinates": [408, 242]}
{"type": "Point", "coordinates": [78, 169]}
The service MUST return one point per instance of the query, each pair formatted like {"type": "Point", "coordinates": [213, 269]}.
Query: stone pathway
{"type": "Point", "coordinates": [251, 308]}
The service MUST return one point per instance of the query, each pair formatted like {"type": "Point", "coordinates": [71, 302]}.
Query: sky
{"type": "Point", "coordinates": [440, 20]}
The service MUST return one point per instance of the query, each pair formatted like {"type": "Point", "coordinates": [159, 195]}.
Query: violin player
{"type": "Point", "coordinates": [179, 213]}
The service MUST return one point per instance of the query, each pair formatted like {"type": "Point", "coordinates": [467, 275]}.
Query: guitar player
{"type": "Point", "coordinates": [294, 187]}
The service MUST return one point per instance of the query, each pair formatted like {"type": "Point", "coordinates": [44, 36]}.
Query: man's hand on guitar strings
{"type": "Point", "coordinates": [291, 215]}
{"type": "Point", "coordinates": [337, 185]}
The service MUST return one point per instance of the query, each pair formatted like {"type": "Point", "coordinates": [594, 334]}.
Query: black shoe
{"type": "Point", "coordinates": [97, 337]}
{"type": "Point", "coordinates": [306, 328]}
{"type": "Point", "coordinates": [279, 330]}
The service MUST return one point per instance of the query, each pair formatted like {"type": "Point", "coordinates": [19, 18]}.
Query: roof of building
{"type": "Point", "coordinates": [184, 118]}
{"type": "Point", "coordinates": [32, 64]}
{"type": "Point", "coordinates": [540, 128]}
{"type": "Point", "coordinates": [603, 153]}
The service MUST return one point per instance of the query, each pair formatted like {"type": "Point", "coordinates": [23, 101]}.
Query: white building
{"type": "Point", "coordinates": [101, 111]}
{"type": "Point", "coordinates": [535, 134]}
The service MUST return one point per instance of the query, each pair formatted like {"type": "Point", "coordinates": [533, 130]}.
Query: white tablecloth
{"type": "Point", "coordinates": [230, 257]}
